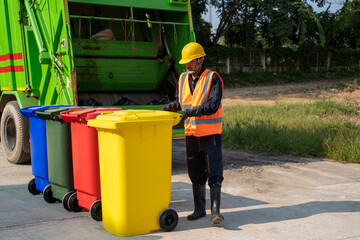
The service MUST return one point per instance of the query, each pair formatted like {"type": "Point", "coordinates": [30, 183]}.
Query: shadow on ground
{"type": "Point", "coordinates": [235, 218]}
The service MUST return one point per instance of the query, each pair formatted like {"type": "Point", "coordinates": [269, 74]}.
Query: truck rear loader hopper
{"type": "Point", "coordinates": [86, 52]}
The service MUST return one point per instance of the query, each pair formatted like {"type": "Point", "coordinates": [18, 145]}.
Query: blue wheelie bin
{"type": "Point", "coordinates": [38, 148]}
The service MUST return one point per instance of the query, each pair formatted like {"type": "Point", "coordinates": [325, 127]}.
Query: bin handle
{"type": "Point", "coordinates": [135, 116]}
{"type": "Point", "coordinates": [106, 113]}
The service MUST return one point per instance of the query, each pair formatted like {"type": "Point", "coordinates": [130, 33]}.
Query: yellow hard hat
{"type": "Point", "coordinates": [191, 51]}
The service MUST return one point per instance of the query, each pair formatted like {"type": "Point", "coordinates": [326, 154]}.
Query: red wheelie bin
{"type": "Point", "coordinates": [85, 153]}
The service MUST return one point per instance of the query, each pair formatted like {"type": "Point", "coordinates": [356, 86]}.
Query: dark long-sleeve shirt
{"type": "Point", "coordinates": [215, 93]}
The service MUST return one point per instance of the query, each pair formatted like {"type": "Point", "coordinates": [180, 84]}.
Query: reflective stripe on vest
{"type": "Point", "coordinates": [207, 88]}
{"type": "Point", "coordinates": [203, 121]}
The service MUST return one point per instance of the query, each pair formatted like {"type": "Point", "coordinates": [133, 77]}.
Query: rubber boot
{"type": "Point", "coordinates": [199, 202]}
{"type": "Point", "coordinates": [215, 194]}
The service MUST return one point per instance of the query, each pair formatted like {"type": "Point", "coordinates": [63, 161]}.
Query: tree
{"type": "Point", "coordinates": [202, 28]}
{"type": "Point", "coordinates": [348, 25]}
{"type": "Point", "coordinates": [286, 23]}
{"type": "Point", "coordinates": [247, 23]}
{"type": "Point", "coordinates": [327, 21]}
{"type": "Point", "coordinates": [228, 11]}
{"type": "Point", "coordinates": [244, 29]}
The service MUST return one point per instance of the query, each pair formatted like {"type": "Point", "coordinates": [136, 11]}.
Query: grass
{"type": "Point", "coordinates": [349, 86]}
{"type": "Point", "coordinates": [322, 129]}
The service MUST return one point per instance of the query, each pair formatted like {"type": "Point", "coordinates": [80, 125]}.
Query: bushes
{"type": "Point", "coordinates": [265, 78]}
{"type": "Point", "coordinates": [289, 76]}
{"type": "Point", "coordinates": [304, 58]}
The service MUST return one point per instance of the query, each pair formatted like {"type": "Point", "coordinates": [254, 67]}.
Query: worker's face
{"type": "Point", "coordinates": [192, 67]}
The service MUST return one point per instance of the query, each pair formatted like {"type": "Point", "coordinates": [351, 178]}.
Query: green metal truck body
{"type": "Point", "coordinates": [69, 51]}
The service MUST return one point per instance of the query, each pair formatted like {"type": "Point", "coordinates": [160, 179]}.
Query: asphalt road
{"type": "Point", "coordinates": [263, 197]}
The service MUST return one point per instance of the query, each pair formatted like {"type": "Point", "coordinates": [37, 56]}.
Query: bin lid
{"type": "Point", "coordinates": [127, 118]}
{"type": "Point", "coordinates": [30, 111]}
{"type": "Point", "coordinates": [53, 113]}
{"type": "Point", "coordinates": [83, 115]}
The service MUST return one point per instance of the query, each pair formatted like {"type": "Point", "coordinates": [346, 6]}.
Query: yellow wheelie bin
{"type": "Point", "coordinates": [135, 148]}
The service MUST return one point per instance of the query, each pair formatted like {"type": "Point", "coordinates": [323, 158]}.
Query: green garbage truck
{"type": "Point", "coordinates": [86, 52]}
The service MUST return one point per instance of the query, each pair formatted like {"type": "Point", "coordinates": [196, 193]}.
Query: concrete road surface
{"type": "Point", "coordinates": [263, 197]}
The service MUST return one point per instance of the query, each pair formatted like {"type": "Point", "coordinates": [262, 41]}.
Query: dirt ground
{"type": "Point", "coordinates": [291, 93]}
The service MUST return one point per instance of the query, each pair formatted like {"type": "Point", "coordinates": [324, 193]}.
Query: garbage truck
{"type": "Point", "coordinates": [86, 52]}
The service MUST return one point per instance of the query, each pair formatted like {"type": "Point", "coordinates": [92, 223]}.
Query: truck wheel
{"type": "Point", "coordinates": [13, 134]}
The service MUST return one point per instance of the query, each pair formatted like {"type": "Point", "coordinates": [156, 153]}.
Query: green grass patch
{"type": "Point", "coordinates": [322, 129]}
{"type": "Point", "coordinates": [348, 85]}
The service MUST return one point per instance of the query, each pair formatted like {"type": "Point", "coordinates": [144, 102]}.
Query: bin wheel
{"type": "Point", "coordinates": [32, 187]}
{"type": "Point", "coordinates": [47, 194]}
{"type": "Point", "coordinates": [65, 200]}
{"type": "Point", "coordinates": [96, 211]}
{"type": "Point", "coordinates": [168, 220]}
{"type": "Point", "coordinates": [74, 203]}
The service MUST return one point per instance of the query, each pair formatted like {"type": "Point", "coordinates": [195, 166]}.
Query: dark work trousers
{"type": "Point", "coordinates": [204, 160]}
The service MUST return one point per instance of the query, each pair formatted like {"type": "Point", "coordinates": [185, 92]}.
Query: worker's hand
{"type": "Point", "coordinates": [171, 107]}
{"type": "Point", "coordinates": [195, 111]}
{"type": "Point", "coordinates": [192, 112]}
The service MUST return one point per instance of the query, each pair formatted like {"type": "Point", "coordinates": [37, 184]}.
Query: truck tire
{"type": "Point", "coordinates": [14, 132]}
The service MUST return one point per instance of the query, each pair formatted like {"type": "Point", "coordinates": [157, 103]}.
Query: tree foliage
{"type": "Point", "coordinates": [278, 23]}
{"type": "Point", "coordinates": [228, 13]}
{"type": "Point", "coordinates": [348, 25]}
{"type": "Point", "coordinates": [202, 28]}
{"type": "Point", "coordinates": [244, 30]}
{"type": "Point", "coordinates": [286, 23]}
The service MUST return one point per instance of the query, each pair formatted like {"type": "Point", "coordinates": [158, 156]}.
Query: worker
{"type": "Point", "coordinates": [198, 95]}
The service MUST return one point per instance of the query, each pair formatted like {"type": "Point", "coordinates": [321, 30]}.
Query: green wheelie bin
{"type": "Point", "coordinates": [60, 167]}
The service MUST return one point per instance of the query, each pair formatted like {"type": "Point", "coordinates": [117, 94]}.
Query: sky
{"type": "Point", "coordinates": [335, 5]}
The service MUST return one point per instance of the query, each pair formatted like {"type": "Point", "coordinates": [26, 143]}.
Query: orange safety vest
{"type": "Point", "coordinates": [206, 124]}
